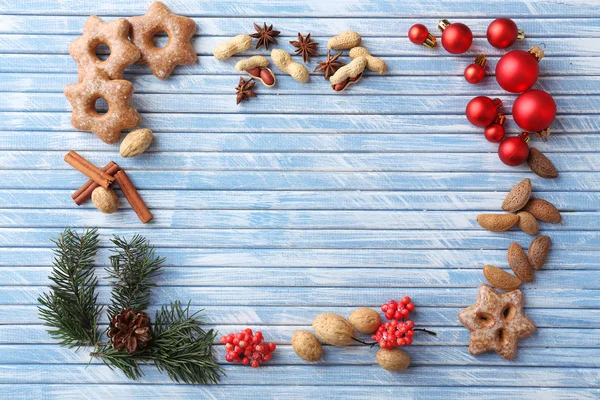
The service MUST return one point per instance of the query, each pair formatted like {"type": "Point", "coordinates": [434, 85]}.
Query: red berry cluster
{"type": "Point", "coordinates": [394, 334]}
{"type": "Point", "coordinates": [398, 309]}
{"type": "Point", "coordinates": [246, 348]}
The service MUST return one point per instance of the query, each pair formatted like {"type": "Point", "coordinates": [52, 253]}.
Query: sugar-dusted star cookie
{"type": "Point", "coordinates": [496, 322]}
{"type": "Point", "coordinates": [179, 49]}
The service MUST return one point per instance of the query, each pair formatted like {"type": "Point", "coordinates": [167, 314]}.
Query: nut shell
{"type": "Point", "coordinates": [538, 251]}
{"type": "Point", "coordinates": [518, 196]}
{"type": "Point", "coordinates": [500, 278]}
{"type": "Point", "coordinates": [365, 320]}
{"type": "Point", "coordinates": [543, 210]}
{"type": "Point", "coordinates": [528, 223]}
{"type": "Point", "coordinates": [519, 263]}
{"type": "Point", "coordinates": [393, 360]}
{"type": "Point", "coordinates": [345, 40]}
{"type": "Point", "coordinates": [541, 165]}
{"type": "Point", "coordinates": [497, 222]}
{"type": "Point", "coordinates": [105, 200]}
{"type": "Point", "coordinates": [306, 345]}
{"type": "Point", "coordinates": [136, 143]}
{"type": "Point", "coordinates": [333, 329]}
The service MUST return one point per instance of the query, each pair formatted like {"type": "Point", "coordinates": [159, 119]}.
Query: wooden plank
{"type": "Point", "coordinates": [286, 391]}
{"type": "Point", "coordinates": [58, 44]}
{"type": "Point", "coordinates": [308, 180]}
{"type": "Point", "coordinates": [276, 123]}
{"type": "Point", "coordinates": [290, 104]}
{"type": "Point", "coordinates": [416, 65]}
{"type": "Point", "coordinates": [389, 85]}
{"type": "Point", "coordinates": [200, 219]}
{"type": "Point", "coordinates": [386, 27]}
{"type": "Point", "coordinates": [320, 238]}
{"type": "Point", "coordinates": [267, 316]}
{"type": "Point", "coordinates": [320, 277]}
{"type": "Point", "coordinates": [312, 8]}
{"type": "Point", "coordinates": [300, 296]}
{"type": "Point", "coordinates": [340, 258]}
{"type": "Point", "coordinates": [303, 200]}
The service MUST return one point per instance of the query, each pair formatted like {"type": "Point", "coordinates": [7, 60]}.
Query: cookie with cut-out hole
{"type": "Point", "coordinates": [178, 50]}
{"type": "Point", "coordinates": [115, 35]}
{"type": "Point", "coordinates": [496, 322]}
{"type": "Point", "coordinates": [120, 115]}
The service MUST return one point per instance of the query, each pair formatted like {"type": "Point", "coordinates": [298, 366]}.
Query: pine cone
{"type": "Point", "coordinates": [130, 330]}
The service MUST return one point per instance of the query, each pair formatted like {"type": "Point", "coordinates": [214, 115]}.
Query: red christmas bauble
{"type": "Point", "coordinates": [494, 133]}
{"type": "Point", "coordinates": [502, 33]}
{"type": "Point", "coordinates": [514, 150]}
{"type": "Point", "coordinates": [457, 38]}
{"type": "Point", "coordinates": [418, 33]}
{"type": "Point", "coordinates": [481, 111]}
{"type": "Point", "coordinates": [474, 73]}
{"type": "Point", "coordinates": [517, 71]}
{"type": "Point", "coordinates": [534, 110]}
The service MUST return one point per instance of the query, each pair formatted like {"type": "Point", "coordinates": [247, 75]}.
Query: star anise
{"type": "Point", "coordinates": [305, 46]}
{"type": "Point", "coordinates": [330, 65]}
{"type": "Point", "coordinates": [265, 35]}
{"type": "Point", "coordinates": [244, 90]}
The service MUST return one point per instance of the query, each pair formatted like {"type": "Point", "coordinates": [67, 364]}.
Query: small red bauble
{"type": "Point", "coordinates": [495, 132]}
{"type": "Point", "coordinates": [534, 110]}
{"type": "Point", "coordinates": [419, 34]}
{"type": "Point", "coordinates": [514, 150]}
{"type": "Point", "coordinates": [475, 72]}
{"type": "Point", "coordinates": [503, 32]}
{"type": "Point", "coordinates": [518, 70]}
{"type": "Point", "coordinates": [481, 110]}
{"type": "Point", "coordinates": [456, 38]}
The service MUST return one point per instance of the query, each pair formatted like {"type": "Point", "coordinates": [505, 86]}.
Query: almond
{"type": "Point", "coordinates": [365, 320]}
{"type": "Point", "coordinates": [306, 345]}
{"type": "Point", "coordinates": [136, 143]}
{"type": "Point", "coordinates": [519, 263]}
{"type": "Point", "coordinates": [541, 165]}
{"type": "Point", "coordinates": [538, 251]}
{"type": "Point", "coordinates": [497, 222]}
{"type": "Point", "coordinates": [543, 211]}
{"type": "Point", "coordinates": [105, 200]}
{"type": "Point", "coordinates": [518, 196]}
{"type": "Point", "coordinates": [500, 278]}
{"type": "Point", "coordinates": [528, 223]}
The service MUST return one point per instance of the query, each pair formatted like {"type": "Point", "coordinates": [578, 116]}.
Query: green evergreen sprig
{"type": "Point", "coordinates": [179, 346]}
{"type": "Point", "coordinates": [70, 308]}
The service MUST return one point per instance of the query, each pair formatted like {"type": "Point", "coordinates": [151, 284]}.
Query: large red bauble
{"type": "Point", "coordinates": [474, 73]}
{"type": "Point", "coordinates": [517, 71]}
{"type": "Point", "coordinates": [502, 33]}
{"type": "Point", "coordinates": [534, 110]}
{"type": "Point", "coordinates": [513, 151]}
{"type": "Point", "coordinates": [481, 111]}
{"type": "Point", "coordinates": [418, 33]}
{"type": "Point", "coordinates": [457, 38]}
{"type": "Point", "coordinates": [494, 133]}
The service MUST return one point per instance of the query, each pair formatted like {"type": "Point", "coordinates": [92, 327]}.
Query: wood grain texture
{"type": "Point", "coordinates": [305, 201]}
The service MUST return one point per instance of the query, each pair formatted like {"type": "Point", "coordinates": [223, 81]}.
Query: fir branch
{"type": "Point", "coordinates": [133, 269]}
{"type": "Point", "coordinates": [128, 363]}
{"type": "Point", "coordinates": [70, 308]}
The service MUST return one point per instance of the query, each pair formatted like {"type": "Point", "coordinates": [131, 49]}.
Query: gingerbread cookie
{"type": "Point", "coordinates": [496, 322]}
{"type": "Point", "coordinates": [117, 93]}
{"type": "Point", "coordinates": [115, 35]}
{"type": "Point", "coordinates": [179, 49]}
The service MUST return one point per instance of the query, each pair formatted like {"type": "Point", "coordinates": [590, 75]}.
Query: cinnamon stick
{"type": "Point", "coordinates": [85, 192]}
{"type": "Point", "coordinates": [133, 197]}
{"type": "Point", "coordinates": [88, 169]}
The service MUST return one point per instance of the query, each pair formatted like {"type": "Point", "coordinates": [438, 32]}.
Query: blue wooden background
{"type": "Point", "coordinates": [304, 201]}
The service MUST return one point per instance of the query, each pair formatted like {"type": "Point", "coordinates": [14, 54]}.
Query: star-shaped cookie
{"type": "Point", "coordinates": [115, 35]}
{"type": "Point", "coordinates": [496, 322]}
{"type": "Point", "coordinates": [117, 93]}
{"type": "Point", "coordinates": [179, 49]}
